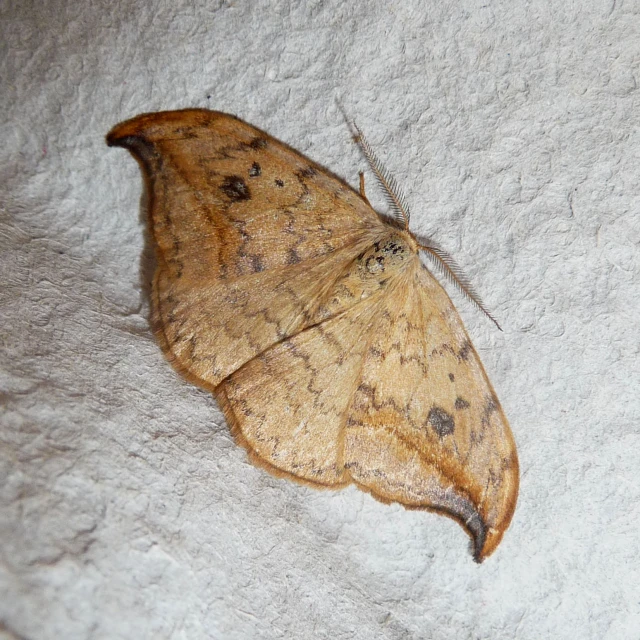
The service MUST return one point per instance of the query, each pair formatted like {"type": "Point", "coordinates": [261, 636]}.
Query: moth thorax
{"type": "Point", "coordinates": [387, 255]}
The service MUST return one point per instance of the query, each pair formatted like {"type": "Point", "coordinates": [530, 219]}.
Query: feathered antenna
{"type": "Point", "coordinates": [395, 198]}
{"type": "Point", "coordinates": [452, 272]}
{"type": "Point", "coordinates": [398, 204]}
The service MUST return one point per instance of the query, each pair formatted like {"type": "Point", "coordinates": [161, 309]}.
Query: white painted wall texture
{"type": "Point", "coordinates": [126, 510]}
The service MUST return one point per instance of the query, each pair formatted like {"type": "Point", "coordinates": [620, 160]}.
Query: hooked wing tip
{"type": "Point", "coordinates": [484, 540]}
{"type": "Point", "coordinates": [157, 126]}
{"type": "Point", "coordinates": [126, 134]}
{"type": "Point", "coordinates": [114, 140]}
{"type": "Point", "coordinates": [486, 533]}
{"type": "Point", "coordinates": [478, 532]}
{"type": "Point", "coordinates": [485, 544]}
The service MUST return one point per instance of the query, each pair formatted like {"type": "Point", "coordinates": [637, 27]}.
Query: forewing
{"type": "Point", "coordinates": [425, 426]}
{"type": "Point", "coordinates": [248, 233]}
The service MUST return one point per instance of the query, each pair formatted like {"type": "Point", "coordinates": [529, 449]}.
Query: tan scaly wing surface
{"type": "Point", "coordinates": [392, 396]}
{"type": "Point", "coordinates": [425, 427]}
{"type": "Point", "coordinates": [248, 232]}
{"type": "Point", "coordinates": [335, 355]}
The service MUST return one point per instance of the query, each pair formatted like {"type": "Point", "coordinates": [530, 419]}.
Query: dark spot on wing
{"type": "Point", "coordinates": [461, 403]}
{"type": "Point", "coordinates": [366, 390]}
{"type": "Point", "coordinates": [309, 172]}
{"type": "Point", "coordinates": [452, 377]}
{"type": "Point", "coordinates": [376, 353]}
{"type": "Point", "coordinates": [255, 170]}
{"type": "Point", "coordinates": [279, 182]}
{"type": "Point", "coordinates": [235, 188]}
{"type": "Point", "coordinates": [491, 405]}
{"type": "Point", "coordinates": [441, 422]}
{"type": "Point", "coordinates": [258, 143]}
{"type": "Point", "coordinates": [465, 350]}
{"type": "Point", "coordinates": [256, 264]}
{"type": "Point", "coordinates": [293, 257]}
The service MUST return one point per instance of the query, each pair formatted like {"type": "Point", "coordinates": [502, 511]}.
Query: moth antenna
{"type": "Point", "coordinates": [398, 204]}
{"type": "Point", "coordinates": [452, 272]}
{"type": "Point", "coordinates": [393, 194]}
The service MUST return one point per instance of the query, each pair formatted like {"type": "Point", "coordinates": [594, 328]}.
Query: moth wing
{"type": "Point", "coordinates": [259, 273]}
{"type": "Point", "coordinates": [425, 428]}
{"type": "Point", "coordinates": [391, 395]}
{"type": "Point", "coordinates": [249, 234]}
{"type": "Point", "coordinates": [289, 406]}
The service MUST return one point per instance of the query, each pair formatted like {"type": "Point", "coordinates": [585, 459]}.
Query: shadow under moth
{"type": "Point", "coordinates": [335, 355]}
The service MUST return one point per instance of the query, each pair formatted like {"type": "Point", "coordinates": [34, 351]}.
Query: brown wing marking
{"type": "Point", "coordinates": [250, 235]}
{"type": "Point", "coordinates": [212, 329]}
{"type": "Point", "coordinates": [217, 209]}
{"type": "Point", "coordinates": [290, 405]}
{"type": "Point", "coordinates": [426, 429]}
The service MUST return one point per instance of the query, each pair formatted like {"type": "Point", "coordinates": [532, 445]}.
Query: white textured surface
{"type": "Point", "coordinates": [126, 510]}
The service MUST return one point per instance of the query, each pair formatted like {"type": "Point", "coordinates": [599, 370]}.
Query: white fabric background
{"type": "Point", "coordinates": [126, 509]}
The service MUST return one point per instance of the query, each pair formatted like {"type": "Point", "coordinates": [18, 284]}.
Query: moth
{"type": "Point", "coordinates": [335, 355]}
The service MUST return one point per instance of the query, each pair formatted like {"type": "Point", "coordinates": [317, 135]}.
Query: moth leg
{"type": "Point", "coordinates": [363, 195]}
